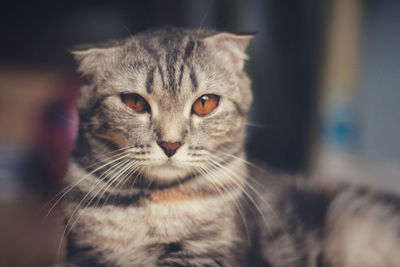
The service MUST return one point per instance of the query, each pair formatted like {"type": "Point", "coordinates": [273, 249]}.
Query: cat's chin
{"type": "Point", "coordinates": [166, 173]}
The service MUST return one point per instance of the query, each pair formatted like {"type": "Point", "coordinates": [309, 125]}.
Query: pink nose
{"type": "Point", "coordinates": [169, 148]}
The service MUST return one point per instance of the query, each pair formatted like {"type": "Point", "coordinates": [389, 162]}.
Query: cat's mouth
{"type": "Point", "coordinates": [167, 171]}
{"type": "Point", "coordinates": [171, 163]}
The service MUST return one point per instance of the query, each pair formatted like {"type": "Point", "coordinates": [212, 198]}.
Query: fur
{"type": "Point", "coordinates": [127, 203]}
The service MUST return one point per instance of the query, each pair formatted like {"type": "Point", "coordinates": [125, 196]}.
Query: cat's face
{"type": "Point", "coordinates": [176, 101]}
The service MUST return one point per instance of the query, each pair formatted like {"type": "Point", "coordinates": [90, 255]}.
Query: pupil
{"type": "Point", "coordinates": [203, 100]}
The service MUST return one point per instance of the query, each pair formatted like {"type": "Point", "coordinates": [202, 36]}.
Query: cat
{"type": "Point", "coordinates": [159, 176]}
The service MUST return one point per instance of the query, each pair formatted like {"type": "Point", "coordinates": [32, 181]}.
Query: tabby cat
{"type": "Point", "coordinates": [159, 176]}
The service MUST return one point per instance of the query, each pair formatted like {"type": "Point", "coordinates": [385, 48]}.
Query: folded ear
{"type": "Point", "coordinates": [91, 59]}
{"type": "Point", "coordinates": [234, 44]}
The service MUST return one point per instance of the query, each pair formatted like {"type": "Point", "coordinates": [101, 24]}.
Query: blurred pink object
{"type": "Point", "coordinates": [56, 135]}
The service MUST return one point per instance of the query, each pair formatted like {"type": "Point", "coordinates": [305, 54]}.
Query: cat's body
{"type": "Point", "coordinates": [159, 177]}
{"type": "Point", "coordinates": [156, 228]}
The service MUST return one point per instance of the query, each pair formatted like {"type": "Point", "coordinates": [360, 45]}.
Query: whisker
{"type": "Point", "coordinates": [130, 171]}
{"type": "Point", "coordinates": [68, 189]}
{"type": "Point", "coordinates": [68, 226]}
{"type": "Point", "coordinates": [117, 153]}
{"type": "Point", "coordinates": [259, 125]}
{"type": "Point", "coordinates": [238, 158]}
{"type": "Point", "coordinates": [124, 170]}
{"type": "Point", "coordinates": [235, 201]}
{"type": "Point", "coordinates": [242, 160]}
{"type": "Point", "coordinates": [106, 156]}
{"type": "Point", "coordinates": [227, 171]}
{"type": "Point", "coordinates": [252, 188]}
{"type": "Point", "coordinates": [204, 17]}
{"type": "Point", "coordinates": [94, 164]}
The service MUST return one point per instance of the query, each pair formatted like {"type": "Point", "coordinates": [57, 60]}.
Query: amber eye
{"type": "Point", "coordinates": [135, 102]}
{"type": "Point", "coordinates": [205, 104]}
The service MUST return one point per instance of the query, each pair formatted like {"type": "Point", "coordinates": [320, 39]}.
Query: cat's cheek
{"type": "Point", "coordinates": [119, 138]}
{"type": "Point", "coordinates": [196, 120]}
{"type": "Point", "coordinates": [135, 129]}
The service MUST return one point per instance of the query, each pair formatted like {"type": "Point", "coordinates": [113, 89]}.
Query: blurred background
{"type": "Point", "coordinates": [325, 74]}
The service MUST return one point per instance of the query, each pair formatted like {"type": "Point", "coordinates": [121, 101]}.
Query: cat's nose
{"type": "Point", "coordinates": [169, 148]}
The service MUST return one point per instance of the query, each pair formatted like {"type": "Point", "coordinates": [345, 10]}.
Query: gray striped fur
{"type": "Point", "coordinates": [128, 204]}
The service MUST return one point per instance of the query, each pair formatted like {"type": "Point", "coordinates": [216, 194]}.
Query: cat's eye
{"type": "Point", "coordinates": [135, 102]}
{"type": "Point", "coordinates": [205, 104]}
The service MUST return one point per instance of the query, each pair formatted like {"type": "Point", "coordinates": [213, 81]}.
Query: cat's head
{"type": "Point", "coordinates": [174, 101]}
